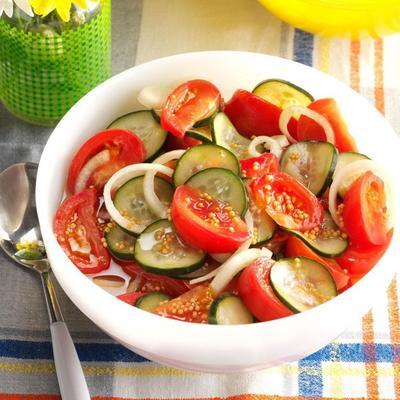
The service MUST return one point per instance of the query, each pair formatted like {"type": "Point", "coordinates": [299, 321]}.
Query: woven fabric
{"type": "Point", "coordinates": [363, 363]}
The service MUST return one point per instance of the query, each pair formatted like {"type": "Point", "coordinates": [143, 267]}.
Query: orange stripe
{"type": "Point", "coordinates": [371, 369]}
{"type": "Point", "coordinates": [379, 87]}
{"type": "Point", "coordinates": [355, 65]}
{"type": "Point", "coordinates": [394, 326]}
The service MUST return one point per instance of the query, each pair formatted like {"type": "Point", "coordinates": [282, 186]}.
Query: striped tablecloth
{"type": "Point", "coordinates": [363, 363]}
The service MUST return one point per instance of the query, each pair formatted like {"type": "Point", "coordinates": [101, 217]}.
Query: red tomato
{"type": "Point", "coordinates": [149, 283]}
{"type": "Point", "coordinates": [277, 242]}
{"type": "Point", "coordinates": [187, 104]}
{"type": "Point", "coordinates": [364, 210]}
{"type": "Point", "coordinates": [191, 306]}
{"type": "Point", "coordinates": [296, 248]}
{"type": "Point", "coordinates": [259, 166]}
{"type": "Point", "coordinates": [257, 293]}
{"type": "Point", "coordinates": [287, 201]}
{"type": "Point", "coordinates": [252, 115]}
{"type": "Point", "coordinates": [76, 230]}
{"type": "Point", "coordinates": [177, 143]}
{"type": "Point", "coordinates": [206, 223]}
{"type": "Point", "coordinates": [131, 297]}
{"type": "Point", "coordinates": [308, 129]}
{"type": "Point", "coordinates": [359, 259]}
{"type": "Point", "coordinates": [101, 156]}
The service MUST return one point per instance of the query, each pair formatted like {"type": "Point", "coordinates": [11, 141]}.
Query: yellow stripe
{"type": "Point", "coordinates": [324, 54]}
{"type": "Point", "coordinates": [348, 370]}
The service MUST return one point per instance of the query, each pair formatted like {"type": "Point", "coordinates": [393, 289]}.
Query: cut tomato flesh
{"type": "Point", "coordinates": [256, 167]}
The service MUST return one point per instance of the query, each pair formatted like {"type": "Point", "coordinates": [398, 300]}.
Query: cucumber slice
{"type": "Point", "coordinates": [149, 301]}
{"type": "Point", "coordinates": [145, 127]}
{"type": "Point", "coordinates": [229, 309]}
{"type": "Point", "coordinates": [120, 243]}
{"type": "Point", "coordinates": [312, 163]}
{"type": "Point", "coordinates": [30, 254]}
{"type": "Point", "coordinates": [129, 201]}
{"type": "Point", "coordinates": [226, 135]}
{"type": "Point", "coordinates": [283, 93]}
{"type": "Point", "coordinates": [343, 160]}
{"type": "Point", "coordinates": [329, 241]}
{"type": "Point", "coordinates": [223, 185]}
{"type": "Point", "coordinates": [302, 283]}
{"type": "Point", "coordinates": [202, 133]}
{"type": "Point", "coordinates": [264, 225]}
{"type": "Point", "coordinates": [207, 120]}
{"type": "Point", "coordinates": [202, 157]}
{"type": "Point", "coordinates": [160, 251]}
{"type": "Point", "coordinates": [203, 270]}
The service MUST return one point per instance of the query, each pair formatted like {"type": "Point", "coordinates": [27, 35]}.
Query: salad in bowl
{"type": "Point", "coordinates": [225, 210]}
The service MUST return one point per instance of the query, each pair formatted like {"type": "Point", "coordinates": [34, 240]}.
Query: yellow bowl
{"type": "Point", "coordinates": [350, 18]}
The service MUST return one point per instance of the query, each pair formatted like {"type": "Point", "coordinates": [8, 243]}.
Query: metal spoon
{"type": "Point", "coordinates": [19, 224]}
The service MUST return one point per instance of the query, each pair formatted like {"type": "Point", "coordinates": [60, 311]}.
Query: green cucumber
{"type": "Point", "coordinates": [160, 251]}
{"type": "Point", "coordinates": [324, 242]}
{"type": "Point", "coordinates": [202, 157]}
{"type": "Point", "coordinates": [145, 127]}
{"type": "Point", "coordinates": [129, 200]}
{"type": "Point", "coordinates": [226, 135]}
{"type": "Point", "coordinates": [30, 254]}
{"type": "Point", "coordinates": [201, 133]}
{"type": "Point", "coordinates": [344, 159]}
{"type": "Point", "coordinates": [120, 243]}
{"type": "Point", "coordinates": [222, 184]}
{"type": "Point", "coordinates": [302, 283]}
{"type": "Point", "coordinates": [229, 309]}
{"type": "Point", "coordinates": [263, 225]}
{"type": "Point", "coordinates": [206, 268]}
{"type": "Point", "coordinates": [207, 119]}
{"type": "Point", "coordinates": [149, 301]}
{"type": "Point", "coordinates": [311, 163]}
{"type": "Point", "coordinates": [283, 93]}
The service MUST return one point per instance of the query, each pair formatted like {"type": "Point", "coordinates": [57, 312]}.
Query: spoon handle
{"type": "Point", "coordinates": [68, 367]}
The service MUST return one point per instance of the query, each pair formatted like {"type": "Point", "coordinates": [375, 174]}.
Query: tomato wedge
{"type": "Point", "coordinates": [146, 282]}
{"type": "Point", "coordinates": [191, 306]}
{"type": "Point", "coordinates": [101, 156]}
{"type": "Point", "coordinates": [296, 248]}
{"type": "Point", "coordinates": [130, 298]}
{"type": "Point", "coordinates": [76, 230]}
{"type": "Point", "coordinates": [359, 259]}
{"type": "Point", "coordinates": [365, 211]}
{"type": "Point", "coordinates": [252, 115]}
{"type": "Point", "coordinates": [189, 103]}
{"type": "Point", "coordinates": [308, 129]}
{"type": "Point", "coordinates": [287, 201]}
{"type": "Point", "coordinates": [257, 293]}
{"type": "Point", "coordinates": [205, 222]}
{"type": "Point", "coordinates": [177, 143]}
{"type": "Point", "coordinates": [259, 166]}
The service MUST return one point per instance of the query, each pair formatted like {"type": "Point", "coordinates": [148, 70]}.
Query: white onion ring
{"type": "Point", "coordinates": [154, 97]}
{"type": "Point", "coordinates": [96, 161]}
{"type": "Point", "coordinates": [288, 113]}
{"type": "Point", "coordinates": [235, 264]}
{"type": "Point", "coordinates": [281, 139]}
{"type": "Point", "coordinates": [351, 169]}
{"type": "Point", "coordinates": [223, 257]}
{"type": "Point", "coordinates": [122, 176]}
{"type": "Point", "coordinates": [268, 142]}
{"type": "Point", "coordinates": [152, 199]}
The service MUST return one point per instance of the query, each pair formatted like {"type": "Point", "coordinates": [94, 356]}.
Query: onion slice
{"type": "Point", "coordinates": [351, 169]}
{"type": "Point", "coordinates": [150, 196]}
{"type": "Point", "coordinates": [118, 179]}
{"type": "Point", "coordinates": [224, 257]}
{"type": "Point", "coordinates": [154, 97]}
{"type": "Point", "coordinates": [235, 264]}
{"type": "Point", "coordinates": [96, 161]}
{"type": "Point", "coordinates": [288, 113]}
{"type": "Point", "coordinates": [269, 143]}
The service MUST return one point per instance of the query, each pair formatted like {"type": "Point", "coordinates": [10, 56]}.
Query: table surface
{"type": "Point", "coordinates": [363, 363]}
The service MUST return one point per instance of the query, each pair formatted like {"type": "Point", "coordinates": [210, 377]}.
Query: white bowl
{"type": "Point", "coordinates": [210, 348]}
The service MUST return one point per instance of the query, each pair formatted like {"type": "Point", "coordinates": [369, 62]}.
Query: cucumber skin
{"type": "Point", "coordinates": [117, 254]}
{"type": "Point", "coordinates": [212, 313]}
{"type": "Point", "coordinates": [288, 305]}
{"type": "Point", "coordinates": [142, 298]}
{"type": "Point", "coordinates": [298, 88]}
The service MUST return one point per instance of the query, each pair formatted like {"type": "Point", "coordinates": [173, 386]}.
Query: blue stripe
{"type": "Point", "coordinates": [310, 378]}
{"type": "Point", "coordinates": [86, 351]}
{"type": "Point", "coordinates": [349, 352]}
{"type": "Point", "coordinates": [303, 47]}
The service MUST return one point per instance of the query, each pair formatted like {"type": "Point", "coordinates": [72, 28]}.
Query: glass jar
{"type": "Point", "coordinates": [46, 65]}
